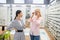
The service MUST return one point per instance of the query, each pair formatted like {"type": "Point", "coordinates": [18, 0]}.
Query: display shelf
{"type": "Point", "coordinates": [53, 19]}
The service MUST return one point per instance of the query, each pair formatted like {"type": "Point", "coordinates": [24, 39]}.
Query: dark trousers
{"type": "Point", "coordinates": [34, 37]}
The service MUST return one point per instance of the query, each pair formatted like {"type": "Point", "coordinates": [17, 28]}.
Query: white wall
{"type": "Point", "coordinates": [4, 15]}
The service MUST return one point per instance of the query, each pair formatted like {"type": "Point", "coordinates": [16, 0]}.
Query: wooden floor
{"type": "Point", "coordinates": [28, 38]}
{"type": "Point", "coordinates": [49, 35]}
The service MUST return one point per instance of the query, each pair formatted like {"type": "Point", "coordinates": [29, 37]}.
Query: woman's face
{"type": "Point", "coordinates": [20, 15]}
{"type": "Point", "coordinates": [37, 13]}
{"type": "Point", "coordinates": [33, 14]}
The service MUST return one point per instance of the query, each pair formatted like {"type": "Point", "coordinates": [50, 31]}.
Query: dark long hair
{"type": "Point", "coordinates": [17, 12]}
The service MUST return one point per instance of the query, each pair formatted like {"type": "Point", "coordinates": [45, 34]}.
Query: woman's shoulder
{"type": "Point", "coordinates": [40, 18]}
{"type": "Point", "coordinates": [14, 21]}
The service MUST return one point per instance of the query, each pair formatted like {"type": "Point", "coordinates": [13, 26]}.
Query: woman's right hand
{"type": "Point", "coordinates": [31, 20]}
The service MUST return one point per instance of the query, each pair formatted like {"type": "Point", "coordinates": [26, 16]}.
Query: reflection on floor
{"type": "Point", "coordinates": [43, 34]}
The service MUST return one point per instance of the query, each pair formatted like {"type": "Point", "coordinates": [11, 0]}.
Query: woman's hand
{"type": "Point", "coordinates": [25, 26]}
{"type": "Point", "coordinates": [31, 20]}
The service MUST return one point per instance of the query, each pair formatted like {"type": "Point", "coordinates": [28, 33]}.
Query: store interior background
{"type": "Point", "coordinates": [50, 11]}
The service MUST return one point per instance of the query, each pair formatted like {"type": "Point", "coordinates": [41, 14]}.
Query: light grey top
{"type": "Point", "coordinates": [15, 24]}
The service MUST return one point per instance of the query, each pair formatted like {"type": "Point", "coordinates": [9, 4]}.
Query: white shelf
{"type": "Point", "coordinates": [53, 19]}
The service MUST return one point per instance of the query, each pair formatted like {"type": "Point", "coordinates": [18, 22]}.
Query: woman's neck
{"type": "Point", "coordinates": [17, 18]}
{"type": "Point", "coordinates": [38, 17]}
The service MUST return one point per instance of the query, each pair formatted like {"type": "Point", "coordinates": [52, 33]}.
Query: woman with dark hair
{"type": "Point", "coordinates": [18, 25]}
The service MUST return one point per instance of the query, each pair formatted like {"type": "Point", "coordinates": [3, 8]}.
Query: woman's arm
{"type": "Point", "coordinates": [37, 21]}
{"type": "Point", "coordinates": [23, 25]}
{"type": "Point", "coordinates": [11, 26]}
{"type": "Point", "coordinates": [30, 20]}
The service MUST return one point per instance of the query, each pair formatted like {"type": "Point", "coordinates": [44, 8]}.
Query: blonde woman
{"type": "Point", "coordinates": [35, 25]}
